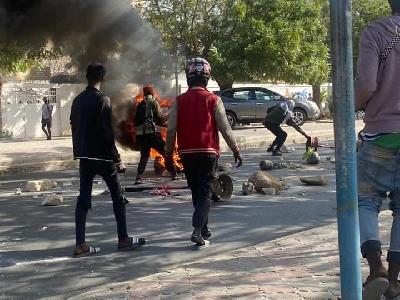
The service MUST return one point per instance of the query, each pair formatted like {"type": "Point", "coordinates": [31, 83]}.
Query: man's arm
{"type": "Point", "coordinates": [105, 119]}
{"type": "Point", "coordinates": [367, 70]}
{"type": "Point", "coordinates": [224, 127]}
{"type": "Point", "coordinates": [159, 118]}
{"type": "Point", "coordinates": [172, 126]}
{"type": "Point", "coordinates": [300, 130]}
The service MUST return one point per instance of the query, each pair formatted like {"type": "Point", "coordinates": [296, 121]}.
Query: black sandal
{"type": "Point", "coordinates": [89, 251]}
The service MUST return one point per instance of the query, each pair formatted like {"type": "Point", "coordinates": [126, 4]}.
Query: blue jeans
{"type": "Point", "coordinates": [378, 178]}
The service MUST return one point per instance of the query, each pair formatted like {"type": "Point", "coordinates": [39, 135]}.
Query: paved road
{"type": "Point", "coordinates": [36, 242]}
{"type": "Point", "coordinates": [42, 155]}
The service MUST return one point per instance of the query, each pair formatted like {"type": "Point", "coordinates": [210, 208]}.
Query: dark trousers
{"type": "Point", "coordinates": [88, 169]}
{"type": "Point", "coordinates": [280, 134]}
{"type": "Point", "coordinates": [146, 142]}
{"type": "Point", "coordinates": [46, 123]}
{"type": "Point", "coordinates": [200, 174]}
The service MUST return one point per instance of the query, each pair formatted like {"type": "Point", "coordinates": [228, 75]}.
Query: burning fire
{"type": "Point", "coordinates": [127, 133]}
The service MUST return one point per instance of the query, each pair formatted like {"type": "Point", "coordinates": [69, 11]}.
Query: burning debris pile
{"type": "Point", "coordinates": [126, 131]}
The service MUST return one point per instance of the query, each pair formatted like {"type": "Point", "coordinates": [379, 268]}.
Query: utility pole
{"type": "Point", "coordinates": [345, 146]}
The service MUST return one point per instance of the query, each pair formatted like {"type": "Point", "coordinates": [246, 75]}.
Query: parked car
{"type": "Point", "coordinates": [249, 105]}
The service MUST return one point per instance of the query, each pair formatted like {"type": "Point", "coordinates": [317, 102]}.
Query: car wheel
{"type": "Point", "coordinates": [231, 118]}
{"type": "Point", "coordinates": [299, 116]}
{"type": "Point", "coordinates": [360, 115]}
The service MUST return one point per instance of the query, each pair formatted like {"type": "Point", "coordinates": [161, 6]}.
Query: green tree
{"type": "Point", "coordinates": [259, 40]}
{"type": "Point", "coordinates": [365, 12]}
{"type": "Point", "coordinates": [19, 58]}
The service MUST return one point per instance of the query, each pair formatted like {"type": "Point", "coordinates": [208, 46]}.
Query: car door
{"type": "Point", "coordinates": [264, 100]}
{"type": "Point", "coordinates": [241, 104]}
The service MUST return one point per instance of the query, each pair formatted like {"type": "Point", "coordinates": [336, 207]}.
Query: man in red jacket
{"type": "Point", "coordinates": [195, 119]}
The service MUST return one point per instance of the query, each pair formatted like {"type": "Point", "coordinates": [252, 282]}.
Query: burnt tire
{"type": "Point", "coordinates": [223, 188]}
{"type": "Point", "coordinates": [232, 119]}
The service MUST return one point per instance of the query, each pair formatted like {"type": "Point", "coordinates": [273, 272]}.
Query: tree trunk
{"type": "Point", "coordinates": [316, 94]}
{"type": "Point", "coordinates": [223, 85]}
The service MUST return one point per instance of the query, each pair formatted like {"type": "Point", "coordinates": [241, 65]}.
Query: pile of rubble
{"type": "Point", "coordinates": [44, 185]}
{"type": "Point", "coordinates": [264, 183]}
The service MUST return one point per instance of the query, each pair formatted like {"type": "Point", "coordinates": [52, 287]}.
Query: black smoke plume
{"type": "Point", "coordinates": [106, 31]}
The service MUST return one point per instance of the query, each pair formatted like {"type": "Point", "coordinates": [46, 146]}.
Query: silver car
{"type": "Point", "coordinates": [249, 105]}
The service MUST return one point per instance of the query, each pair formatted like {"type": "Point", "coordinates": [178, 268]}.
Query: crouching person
{"type": "Point", "coordinates": [94, 146]}
{"type": "Point", "coordinates": [276, 116]}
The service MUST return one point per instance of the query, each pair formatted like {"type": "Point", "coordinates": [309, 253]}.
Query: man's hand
{"type": "Point", "coordinates": [121, 168]}
{"type": "Point", "coordinates": [238, 158]}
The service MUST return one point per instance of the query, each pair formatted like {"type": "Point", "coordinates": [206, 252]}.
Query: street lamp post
{"type": "Point", "coordinates": [345, 146]}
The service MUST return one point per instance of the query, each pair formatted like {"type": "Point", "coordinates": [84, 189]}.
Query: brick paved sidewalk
{"type": "Point", "coordinates": [300, 266]}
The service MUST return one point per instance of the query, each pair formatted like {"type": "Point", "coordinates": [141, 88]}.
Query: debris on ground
{"type": "Point", "coordinates": [280, 165]}
{"type": "Point", "coordinates": [33, 186]}
{"type": "Point", "coordinates": [266, 165]}
{"type": "Point", "coordinates": [287, 149]}
{"type": "Point", "coordinates": [331, 159]}
{"type": "Point", "coordinates": [269, 191]}
{"type": "Point", "coordinates": [67, 184]}
{"type": "Point", "coordinates": [53, 200]}
{"type": "Point", "coordinates": [47, 184]}
{"type": "Point", "coordinates": [262, 179]}
{"type": "Point", "coordinates": [18, 191]}
{"type": "Point", "coordinates": [248, 188]}
{"type": "Point", "coordinates": [224, 167]}
{"type": "Point", "coordinates": [161, 191]}
{"type": "Point", "coordinates": [40, 185]}
{"type": "Point", "coordinates": [315, 180]}
{"type": "Point", "coordinates": [311, 157]}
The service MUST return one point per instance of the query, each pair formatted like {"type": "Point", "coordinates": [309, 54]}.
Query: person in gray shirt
{"type": "Point", "coordinates": [378, 159]}
{"type": "Point", "coordinates": [47, 110]}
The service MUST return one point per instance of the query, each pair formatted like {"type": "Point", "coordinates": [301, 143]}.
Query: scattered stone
{"type": "Point", "coordinates": [18, 191]}
{"type": "Point", "coordinates": [262, 179]}
{"type": "Point", "coordinates": [33, 186]}
{"type": "Point", "coordinates": [266, 165]}
{"type": "Point", "coordinates": [53, 200]}
{"type": "Point", "coordinates": [224, 167]}
{"type": "Point", "coordinates": [302, 194]}
{"type": "Point", "coordinates": [269, 191]}
{"type": "Point", "coordinates": [247, 188]}
{"type": "Point", "coordinates": [47, 184]}
{"type": "Point", "coordinates": [40, 185]}
{"type": "Point", "coordinates": [315, 180]}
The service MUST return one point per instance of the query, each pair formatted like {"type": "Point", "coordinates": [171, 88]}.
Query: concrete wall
{"type": "Point", "coordinates": [22, 102]}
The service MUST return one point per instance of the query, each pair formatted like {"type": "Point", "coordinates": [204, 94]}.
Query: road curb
{"type": "Point", "coordinates": [262, 139]}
